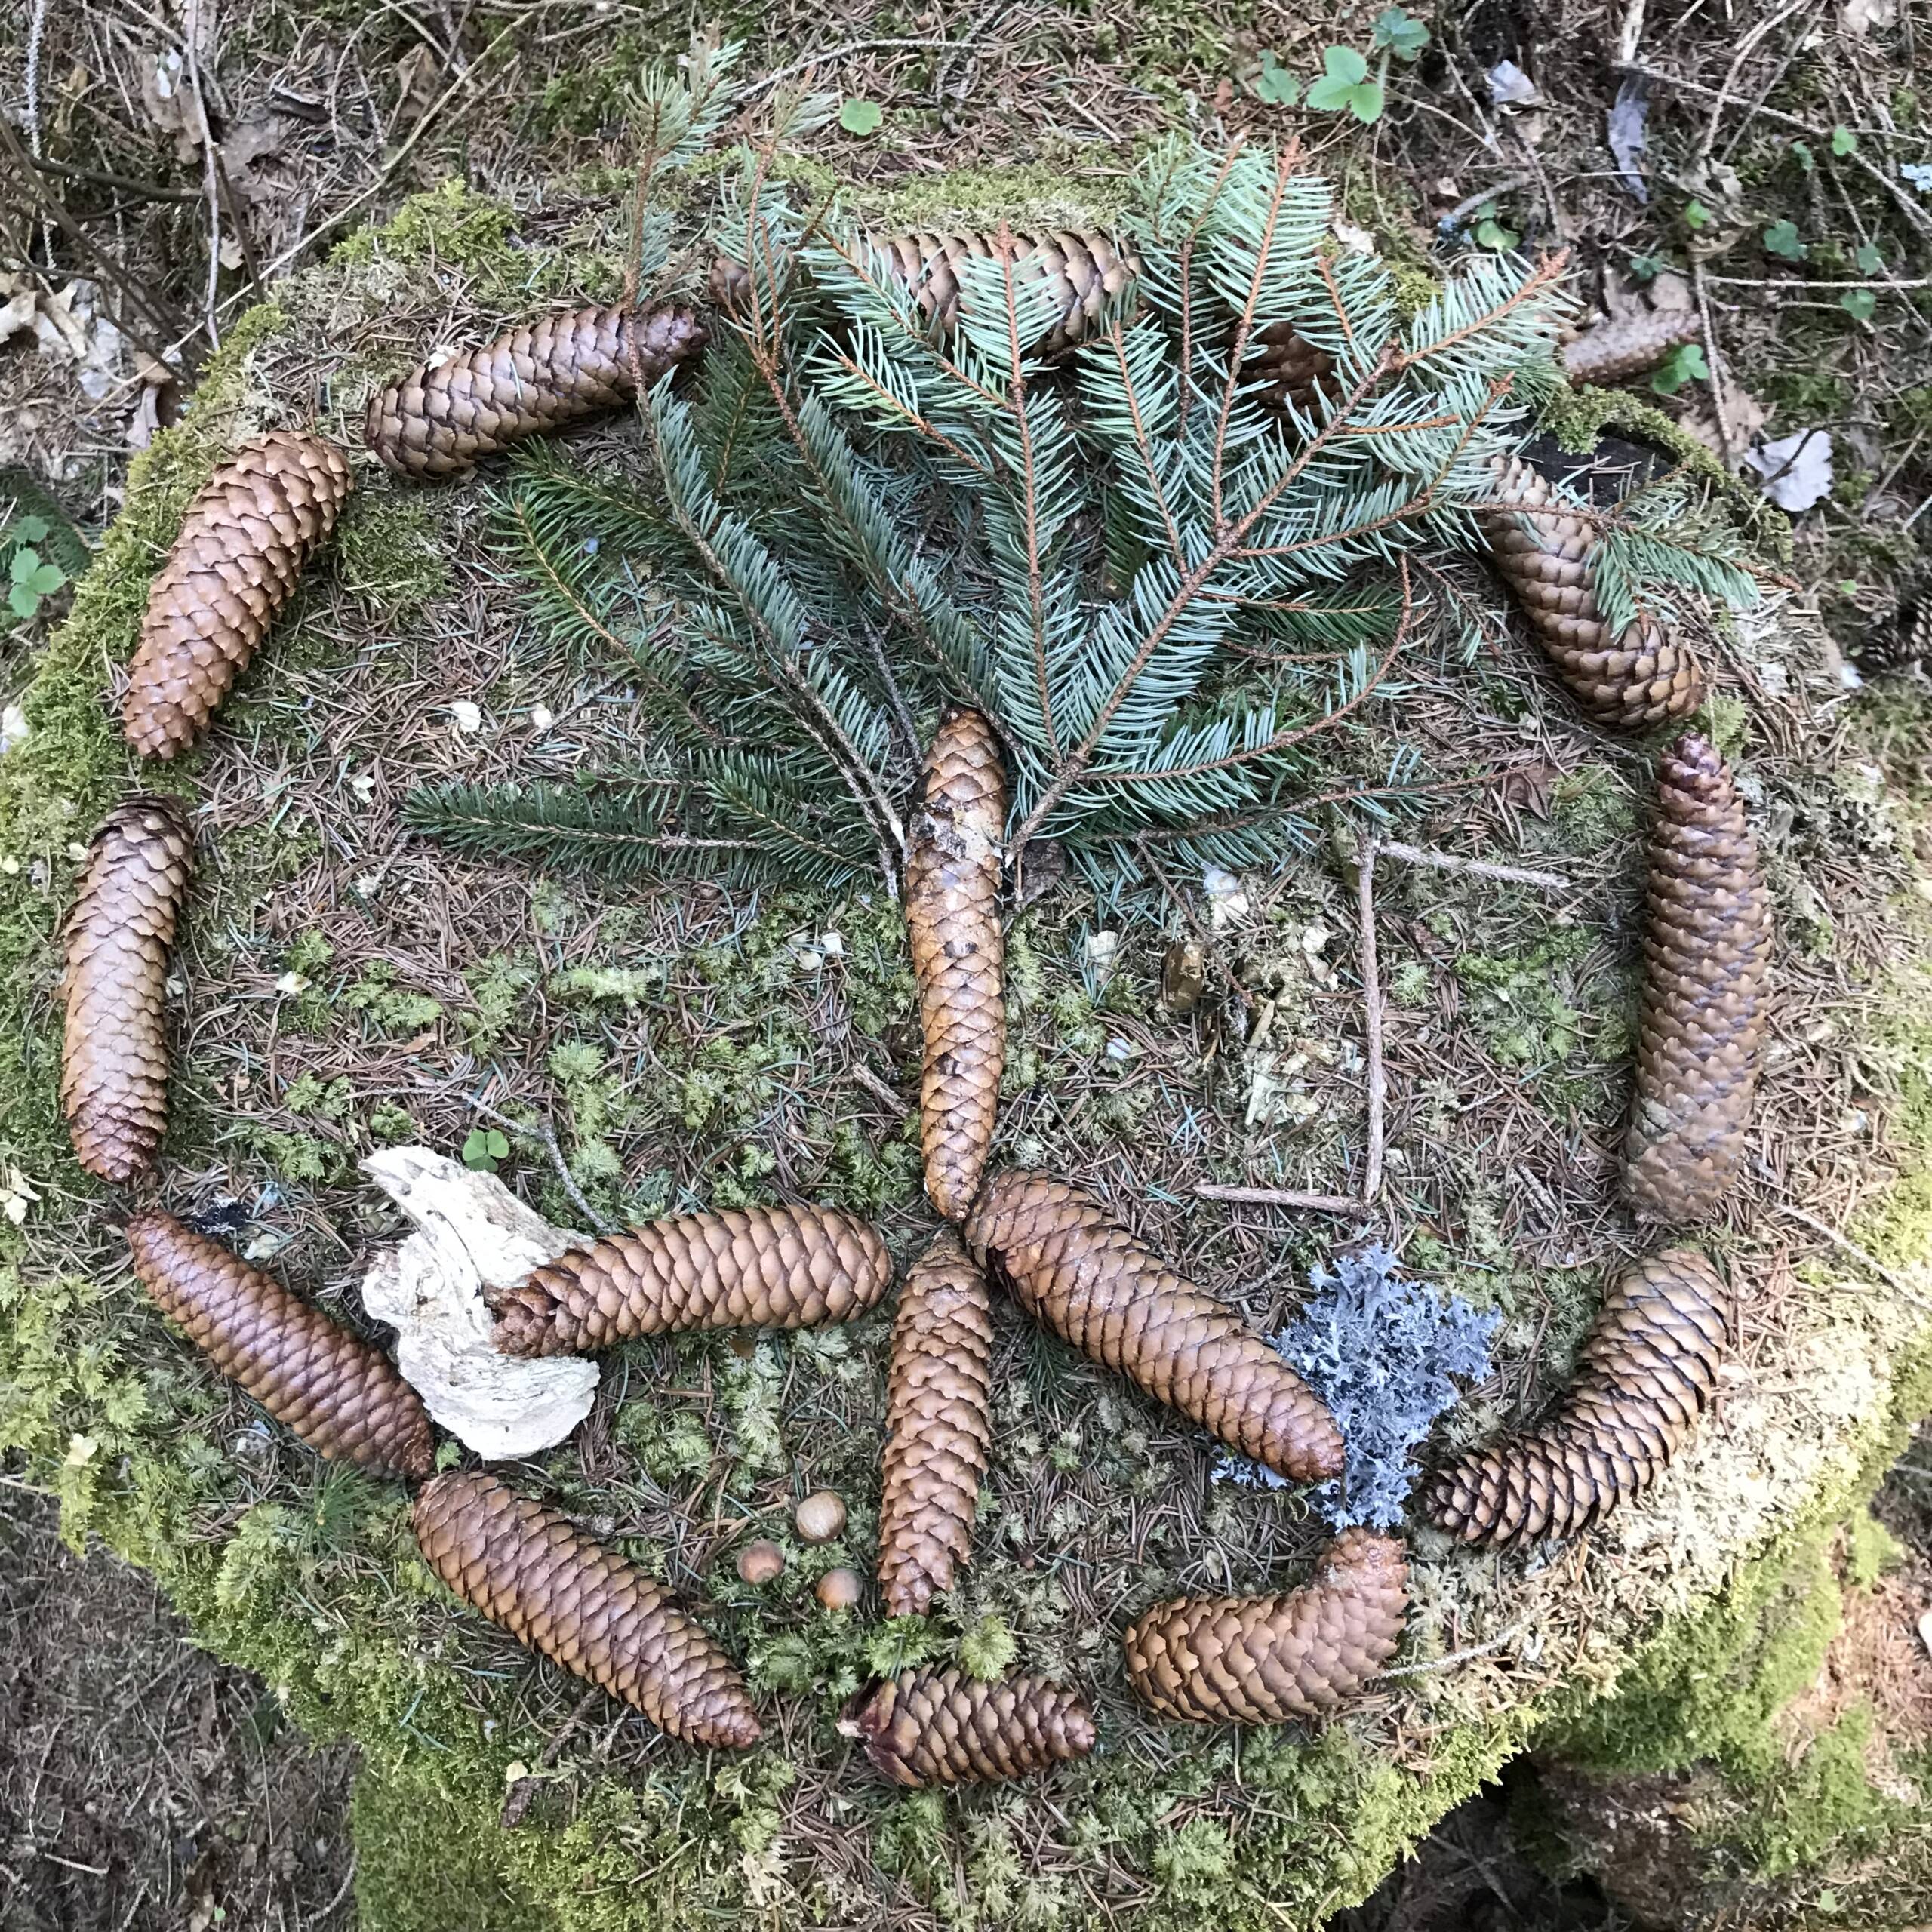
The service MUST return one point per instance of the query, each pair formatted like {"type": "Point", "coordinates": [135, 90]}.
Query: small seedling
{"type": "Point", "coordinates": [1802, 153]}
{"type": "Point", "coordinates": [1869, 261]}
{"type": "Point", "coordinates": [1844, 142]}
{"type": "Point", "coordinates": [1685, 363]}
{"type": "Point", "coordinates": [1275, 85]}
{"type": "Point", "coordinates": [1695, 216]}
{"type": "Point", "coordinates": [1646, 268]}
{"type": "Point", "coordinates": [1345, 87]}
{"type": "Point", "coordinates": [1782, 238]}
{"type": "Point", "coordinates": [1491, 233]}
{"type": "Point", "coordinates": [484, 1148]}
{"type": "Point", "coordinates": [861, 117]}
{"type": "Point", "coordinates": [1400, 33]}
{"type": "Point", "coordinates": [1858, 303]}
{"type": "Point", "coordinates": [31, 580]}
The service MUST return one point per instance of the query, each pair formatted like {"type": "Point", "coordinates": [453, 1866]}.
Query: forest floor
{"type": "Point", "coordinates": [143, 1784]}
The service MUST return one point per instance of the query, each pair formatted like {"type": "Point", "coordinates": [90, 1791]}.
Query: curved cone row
{"type": "Point", "coordinates": [1707, 949]}
{"type": "Point", "coordinates": [1644, 1376]}
{"type": "Point", "coordinates": [337, 1391]}
{"type": "Point", "coordinates": [936, 1726]}
{"type": "Point", "coordinates": [542, 376]}
{"type": "Point", "coordinates": [743, 1268]}
{"type": "Point", "coordinates": [1083, 267]}
{"type": "Point", "coordinates": [952, 871]}
{"type": "Point", "coordinates": [1630, 344]}
{"type": "Point", "coordinates": [114, 1059]}
{"type": "Point", "coordinates": [1264, 1659]}
{"type": "Point", "coordinates": [584, 1607]}
{"type": "Point", "coordinates": [1541, 550]}
{"type": "Point", "coordinates": [938, 1426]}
{"type": "Point", "coordinates": [1071, 1266]}
{"type": "Point", "coordinates": [244, 542]}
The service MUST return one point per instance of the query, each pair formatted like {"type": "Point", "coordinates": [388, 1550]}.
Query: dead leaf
{"type": "Point", "coordinates": [17, 315]}
{"type": "Point", "coordinates": [419, 77]}
{"type": "Point", "coordinates": [1797, 469]}
{"type": "Point", "coordinates": [1860, 15]}
{"type": "Point", "coordinates": [1510, 86]}
{"type": "Point", "coordinates": [1744, 415]}
{"type": "Point", "coordinates": [1629, 116]}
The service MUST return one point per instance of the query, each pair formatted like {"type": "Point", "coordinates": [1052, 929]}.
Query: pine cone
{"type": "Point", "coordinates": [743, 1268]}
{"type": "Point", "coordinates": [1265, 1659]}
{"type": "Point", "coordinates": [937, 1727]}
{"type": "Point", "coordinates": [542, 376]}
{"type": "Point", "coordinates": [1906, 641]}
{"type": "Point", "coordinates": [1293, 369]}
{"type": "Point", "coordinates": [952, 871]}
{"type": "Point", "coordinates": [245, 540]}
{"type": "Point", "coordinates": [1628, 345]}
{"type": "Point", "coordinates": [1084, 267]}
{"type": "Point", "coordinates": [1072, 1267]}
{"type": "Point", "coordinates": [1707, 954]}
{"type": "Point", "coordinates": [551, 1587]}
{"type": "Point", "coordinates": [113, 1063]}
{"type": "Point", "coordinates": [938, 1425]}
{"type": "Point", "coordinates": [337, 1391]}
{"type": "Point", "coordinates": [1644, 677]}
{"type": "Point", "coordinates": [1645, 1376]}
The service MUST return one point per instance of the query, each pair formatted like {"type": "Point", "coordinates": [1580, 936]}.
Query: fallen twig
{"type": "Point", "coordinates": [1371, 994]}
{"type": "Point", "coordinates": [873, 1084]}
{"type": "Point", "coordinates": [1458, 1656]}
{"type": "Point", "coordinates": [1278, 1196]}
{"type": "Point", "coordinates": [1448, 862]}
{"type": "Point", "coordinates": [1857, 1253]}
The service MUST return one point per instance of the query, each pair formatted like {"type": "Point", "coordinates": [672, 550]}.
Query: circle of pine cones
{"type": "Point", "coordinates": [1645, 1376]}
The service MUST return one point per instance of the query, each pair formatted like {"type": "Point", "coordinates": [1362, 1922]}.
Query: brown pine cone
{"type": "Point", "coordinates": [1294, 371]}
{"type": "Point", "coordinates": [1707, 957]}
{"type": "Point", "coordinates": [1645, 1376]}
{"type": "Point", "coordinates": [952, 871]}
{"type": "Point", "coordinates": [1265, 1659]}
{"type": "Point", "coordinates": [1905, 640]}
{"type": "Point", "coordinates": [1642, 678]}
{"type": "Point", "coordinates": [243, 542]}
{"type": "Point", "coordinates": [937, 1727]}
{"type": "Point", "coordinates": [741, 1268]}
{"type": "Point", "coordinates": [337, 1391]}
{"type": "Point", "coordinates": [542, 376]}
{"type": "Point", "coordinates": [114, 1062]}
{"type": "Point", "coordinates": [551, 1587]}
{"type": "Point", "coordinates": [1084, 267]}
{"type": "Point", "coordinates": [1628, 345]}
{"type": "Point", "coordinates": [1071, 1266]}
{"type": "Point", "coordinates": [938, 1425]}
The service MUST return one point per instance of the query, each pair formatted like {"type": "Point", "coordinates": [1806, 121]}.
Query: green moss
{"type": "Point", "coordinates": [389, 550]}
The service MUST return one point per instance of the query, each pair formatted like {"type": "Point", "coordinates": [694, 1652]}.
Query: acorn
{"type": "Point", "coordinates": [821, 1516]}
{"type": "Point", "coordinates": [760, 1562]}
{"type": "Point", "coordinates": [840, 1589]}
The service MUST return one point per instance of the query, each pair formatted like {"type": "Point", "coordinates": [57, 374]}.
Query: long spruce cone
{"type": "Point", "coordinates": [1707, 950]}
{"type": "Point", "coordinates": [242, 547]}
{"type": "Point", "coordinates": [952, 873]}
{"type": "Point", "coordinates": [1293, 370]}
{"type": "Point", "coordinates": [114, 1060]}
{"type": "Point", "coordinates": [584, 1607]}
{"type": "Point", "coordinates": [338, 1392]}
{"type": "Point", "coordinates": [1084, 269]}
{"type": "Point", "coordinates": [1645, 1376]}
{"type": "Point", "coordinates": [1264, 1659]}
{"type": "Point", "coordinates": [740, 1268]}
{"type": "Point", "coordinates": [1905, 640]}
{"type": "Point", "coordinates": [1071, 1266]}
{"type": "Point", "coordinates": [542, 376]}
{"type": "Point", "coordinates": [938, 1727]}
{"type": "Point", "coordinates": [1628, 345]}
{"type": "Point", "coordinates": [938, 1426]}
{"type": "Point", "coordinates": [1542, 549]}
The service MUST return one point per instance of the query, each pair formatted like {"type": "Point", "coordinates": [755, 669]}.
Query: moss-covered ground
{"type": "Point", "coordinates": [341, 986]}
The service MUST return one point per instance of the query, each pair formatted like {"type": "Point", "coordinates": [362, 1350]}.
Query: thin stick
{"type": "Point", "coordinates": [1720, 375]}
{"type": "Point", "coordinates": [1371, 993]}
{"type": "Point", "coordinates": [1458, 1657]}
{"type": "Point", "coordinates": [1448, 862]}
{"type": "Point", "coordinates": [874, 1085]}
{"type": "Point", "coordinates": [826, 56]}
{"type": "Point", "coordinates": [546, 1133]}
{"type": "Point", "coordinates": [1278, 1196]}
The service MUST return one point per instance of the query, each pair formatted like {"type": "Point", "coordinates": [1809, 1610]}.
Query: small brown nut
{"type": "Point", "coordinates": [1183, 973]}
{"type": "Point", "coordinates": [760, 1560]}
{"type": "Point", "coordinates": [821, 1516]}
{"type": "Point", "coordinates": [840, 1589]}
